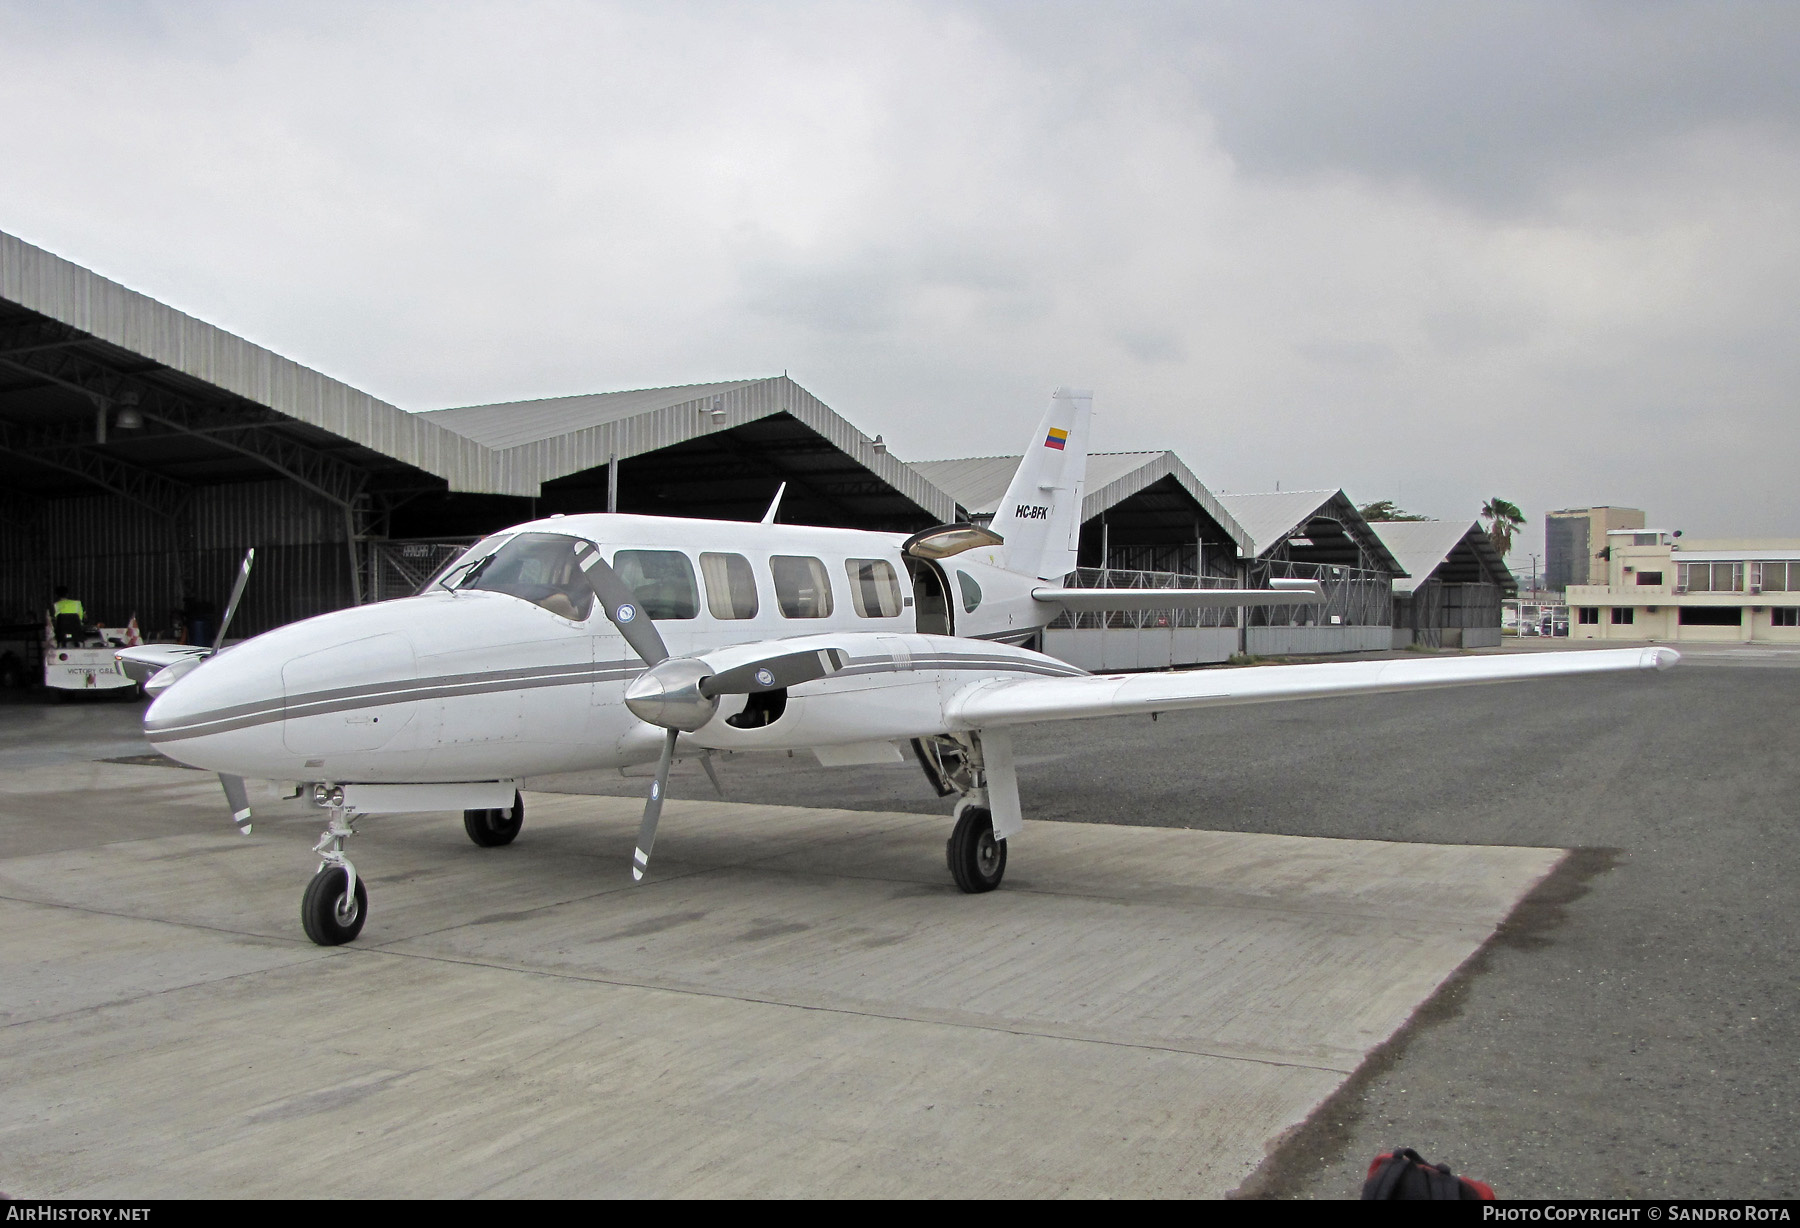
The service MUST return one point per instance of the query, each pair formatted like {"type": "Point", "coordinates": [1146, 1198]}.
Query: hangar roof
{"type": "Point", "coordinates": [979, 483]}
{"type": "Point", "coordinates": [1444, 550]}
{"type": "Point", "coordinates": [1327, 519]}
{"type": "Point", "coordinates": [69, 335]}
{"type": "Point", "coordinates": [788, 430]}
{"type": "Point", "coordinates": [78, 350]}
{"type": "Point", "coordinates": [507, 424]}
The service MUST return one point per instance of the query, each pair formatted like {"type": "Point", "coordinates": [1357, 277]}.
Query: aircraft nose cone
{"type": "Point", "coordinates": [668, 695]}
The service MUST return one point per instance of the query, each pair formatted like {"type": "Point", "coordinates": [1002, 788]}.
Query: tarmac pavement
{"type": "Point", "coordinates": [1630, 1031]}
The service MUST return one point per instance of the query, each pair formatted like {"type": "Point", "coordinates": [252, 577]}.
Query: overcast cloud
{"type": "Point", "coordinates": [1432, 252]}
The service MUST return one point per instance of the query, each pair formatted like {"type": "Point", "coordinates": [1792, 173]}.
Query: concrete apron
{"type": "Point", "coordinates": [795, 1003]}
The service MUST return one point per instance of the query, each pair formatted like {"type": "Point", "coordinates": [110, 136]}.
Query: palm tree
{"type": "Point", "coordinates": [1502, 518]}
{"type": "Point", "coordinates": [1383, 510]}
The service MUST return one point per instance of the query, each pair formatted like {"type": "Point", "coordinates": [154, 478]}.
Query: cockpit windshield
{"type": "Point", "coordinates": [449, 573]}
{"type": "Point", "coordinates": [540, 567]}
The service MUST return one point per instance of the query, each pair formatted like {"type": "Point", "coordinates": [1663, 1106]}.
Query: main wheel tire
{"type": "Point", "coordinates": [492, 828]}
{"type": "Point", "coordinates": [977, 860]}
{"type": "Point", "coordinates": [331, 919]}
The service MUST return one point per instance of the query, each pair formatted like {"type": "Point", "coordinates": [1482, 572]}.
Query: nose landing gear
{"type": "Point", "coordinates": [335, 904]}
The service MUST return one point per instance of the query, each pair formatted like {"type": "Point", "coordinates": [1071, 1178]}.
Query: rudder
{"type": "Point", "coordinates": [1040, 517]}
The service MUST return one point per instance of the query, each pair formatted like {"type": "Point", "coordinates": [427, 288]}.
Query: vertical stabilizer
{"type": "Point", "coordinates": [1040, 518]}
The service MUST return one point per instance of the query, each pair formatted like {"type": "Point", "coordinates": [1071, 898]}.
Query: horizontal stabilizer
{"type": "Point", "coordinates": [1084, 600]}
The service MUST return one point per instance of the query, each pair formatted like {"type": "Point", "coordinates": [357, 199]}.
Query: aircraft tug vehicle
{"type": "Point", "coordinates": [603, 641]}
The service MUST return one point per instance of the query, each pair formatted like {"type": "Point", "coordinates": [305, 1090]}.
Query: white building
{"type": "Point", "coordinates": [1660, 588]}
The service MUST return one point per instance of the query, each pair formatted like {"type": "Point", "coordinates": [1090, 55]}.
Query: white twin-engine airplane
{"type": "Point", "coordinates": [601, 641]}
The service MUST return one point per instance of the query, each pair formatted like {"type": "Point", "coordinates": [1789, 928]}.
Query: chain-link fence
{"type": "Point", "coordinates": [1354, 597]}
{"type": "Point", "coordinates": [398, 568]}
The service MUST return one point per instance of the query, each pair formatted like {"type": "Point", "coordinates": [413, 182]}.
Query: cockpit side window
{"type": "Point", "coordinates": [542, 568]}
{"type": "Point", "coordinates": [663, 581]}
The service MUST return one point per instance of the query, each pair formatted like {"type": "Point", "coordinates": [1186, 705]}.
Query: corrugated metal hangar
{"type": "Point", "coordinates": [142, 451]}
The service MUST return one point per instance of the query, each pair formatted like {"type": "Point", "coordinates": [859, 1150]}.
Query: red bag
{"type": "Point", "coordinates": [1404, 1173]}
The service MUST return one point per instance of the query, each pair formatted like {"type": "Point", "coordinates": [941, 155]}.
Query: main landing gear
{"type": "Point", "coordinates": [976, 856]}
{"type": "Point", "coordinates": [335, 903]}
{"type": "Point", "coordinates": [977, 860]}
{"type": "Point", "coordinates": [493, 828]}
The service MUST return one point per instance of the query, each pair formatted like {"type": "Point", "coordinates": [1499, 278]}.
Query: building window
{"type": "Point", "coordinates": [1650, 577]}
{"type": "Point", "coordinates": [730, 585]}
{"type": "Point", "coordinates": [1712, 616]}
{"type": "Point", "coordinates": [1778, 577]}
{"type": "Point", "coordinates": [1587, 614]}
{"type": "Point", "coordinates": [1785, 616]}
{"type": "Point", "coordinates": [1712, 577]}
{"type": "Point", "coordinates": [802, 589]}
{"type": "Point", "coordinates": [1622, 616]}
{"type": "Point", "coordinates": [874, 589]}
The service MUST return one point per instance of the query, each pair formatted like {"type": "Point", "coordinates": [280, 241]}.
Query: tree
{"type": "Point", "coordinates": [1502, 518]}
{"type": "Point", "coordinates": [1384, 510]}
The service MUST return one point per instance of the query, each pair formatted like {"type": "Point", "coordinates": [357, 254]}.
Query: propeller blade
{"type": "Point", "coordinates": [773, 673]}
{"type": "Point", "coordinates": [621, 605]}
{"type": "Point", "coordinates": [238, 798]}
{"type": "Point", "coordinates": [237, 595]}
{"type": "Point", "coordinates": [640, 858]}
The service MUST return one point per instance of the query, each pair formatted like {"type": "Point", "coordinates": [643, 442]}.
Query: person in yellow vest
{"type": "Point", "coordinates": [70, 618]}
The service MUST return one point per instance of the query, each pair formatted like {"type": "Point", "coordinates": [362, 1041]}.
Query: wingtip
{"type": "Point", "coordinates": [1660, 658]}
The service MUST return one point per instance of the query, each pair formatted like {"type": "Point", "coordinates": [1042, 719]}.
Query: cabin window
{"type": "Point", "coordinates": [874, 587]}
{"type": "Point", "coordinates": [542, 568]}
{"type": "Point", "coordinates": [971, 591]}
{"type": "Point", "coordinates": [663, 581]}
{"type": "Point", "coordinates": [730, 585]}
{"type": "Point", "coordinates": [802, 589]}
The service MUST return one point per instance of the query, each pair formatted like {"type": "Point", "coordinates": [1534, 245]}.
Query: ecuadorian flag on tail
{"type": "Point", "coordinates": [1056, 438]}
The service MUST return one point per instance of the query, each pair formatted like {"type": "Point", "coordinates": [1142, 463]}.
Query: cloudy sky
{"type": "Point", "coordinates": [1425, 251]}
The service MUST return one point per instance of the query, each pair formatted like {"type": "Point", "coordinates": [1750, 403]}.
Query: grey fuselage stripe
{"type": "Point", "coordinates": [399, 691]}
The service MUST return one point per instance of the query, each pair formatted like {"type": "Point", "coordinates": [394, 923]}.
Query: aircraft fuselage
{"type": "Point", "coordinates": [466, 682]}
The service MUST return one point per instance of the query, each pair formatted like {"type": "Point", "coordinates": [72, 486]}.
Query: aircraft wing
{"type": "Point", "coordinates": [1004, 702]}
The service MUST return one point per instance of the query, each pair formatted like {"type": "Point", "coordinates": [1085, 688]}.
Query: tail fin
{"type": "Point", "coordinates": [1040, 517]}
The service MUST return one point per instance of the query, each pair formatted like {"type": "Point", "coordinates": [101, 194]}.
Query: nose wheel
{"type": "Point", "coordinates": [331, 914]}
{"type": "Point", "coordinates": [336, 902]}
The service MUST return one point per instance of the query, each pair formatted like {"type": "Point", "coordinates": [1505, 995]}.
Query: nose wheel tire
{"type": "Point", "coordinates": [492, 828]}
{"type": "Point", "coordinates": [977, 860]}
{"type": "Point", "coordinates": [331, 915]}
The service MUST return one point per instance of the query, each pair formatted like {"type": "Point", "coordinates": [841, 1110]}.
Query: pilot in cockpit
{"type": "Point", "coordinates": [543, 569]}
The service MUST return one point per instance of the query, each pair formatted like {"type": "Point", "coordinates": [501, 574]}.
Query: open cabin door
{"type": "Point", "coordinates": [931, 604]}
